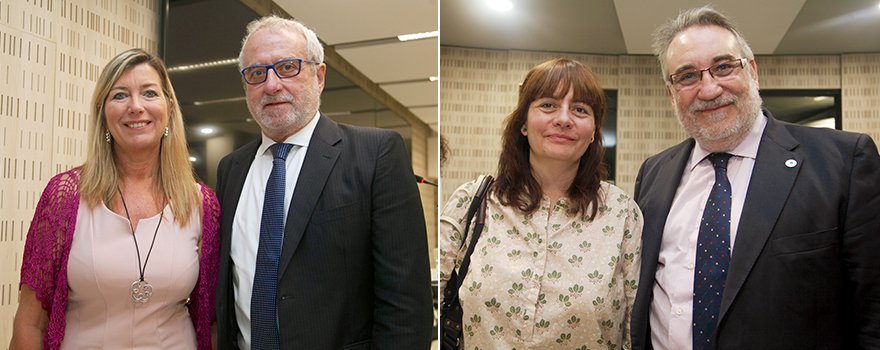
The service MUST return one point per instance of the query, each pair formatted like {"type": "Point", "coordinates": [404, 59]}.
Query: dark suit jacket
{"type": "Point", "coordinates": [354, 271]}
{"type": "Point", "coordinates": [805, 269]}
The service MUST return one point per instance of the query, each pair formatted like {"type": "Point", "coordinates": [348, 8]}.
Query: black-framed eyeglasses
{"type": "Point", "coordinates": [286, 68]}
{"type": "Point", "coordinates": [719, 70]}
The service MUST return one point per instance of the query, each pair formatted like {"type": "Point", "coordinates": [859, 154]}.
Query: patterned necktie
{"type": "Point", "coordinates": [264, 311]}
{"type": "Point", "coordinates": [713, 256]}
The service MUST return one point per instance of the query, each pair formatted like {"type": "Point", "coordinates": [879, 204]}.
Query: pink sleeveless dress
{"type": "Point", "coordinates": [101, 313]}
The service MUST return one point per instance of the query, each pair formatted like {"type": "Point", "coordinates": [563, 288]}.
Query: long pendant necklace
{"type": "Point", "coordinates": [141, 290]}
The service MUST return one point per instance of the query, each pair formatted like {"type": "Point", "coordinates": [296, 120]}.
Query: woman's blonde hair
{"type": "Point", "coordinates": [98, 181]}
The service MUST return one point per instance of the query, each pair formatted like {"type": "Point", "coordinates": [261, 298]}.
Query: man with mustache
{"type": "Point", "coordinates": [323, 240]}
{"type": "Point", "coordinates": [758, 234]}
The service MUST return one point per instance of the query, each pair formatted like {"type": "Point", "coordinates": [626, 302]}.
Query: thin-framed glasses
{"type": "Point", "coordinates": [286, 68]}
{"type": "Point", "coordinates": [719, 70]}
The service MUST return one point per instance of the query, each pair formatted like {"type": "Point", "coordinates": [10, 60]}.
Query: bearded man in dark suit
{"type": "Point", "coordinates": [784, 252]}
{"type": "Point", "coordinates": [343, 263]}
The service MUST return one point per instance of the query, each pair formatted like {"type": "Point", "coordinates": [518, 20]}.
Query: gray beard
{"type": "Point", "coordinates": [283, 122]}
{"type": "Point", "coordinates": [723, 140]}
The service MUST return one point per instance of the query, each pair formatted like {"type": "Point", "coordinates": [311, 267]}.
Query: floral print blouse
{"type": "Point", "coordinates": [546, 280]}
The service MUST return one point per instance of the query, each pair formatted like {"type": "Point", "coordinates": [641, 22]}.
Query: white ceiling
{"type": "Point", "coordinates": [360, 30]}
{"type": "Point", "coordinates": [782, 27]}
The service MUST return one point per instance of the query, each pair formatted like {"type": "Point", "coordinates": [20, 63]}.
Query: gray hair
{"type": "Point", "coordinates": [314, 49]}
{"type": "Point", "coordinates": [703, 16]}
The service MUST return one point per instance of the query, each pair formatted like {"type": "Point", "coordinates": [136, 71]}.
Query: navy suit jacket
{"type": "Point", "coordinates": [354, 270]}
{"type": "Point", "coordinates": [805, 269]}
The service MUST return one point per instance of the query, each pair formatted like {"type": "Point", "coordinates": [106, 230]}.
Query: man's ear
{"type": "Point", "coordinates": [754, 67]}
{"type": "Point", "coordinates": [319, 73]}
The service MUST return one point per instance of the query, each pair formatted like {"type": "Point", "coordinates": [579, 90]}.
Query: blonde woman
{"type": "Point", "coordinates": [122, 251]}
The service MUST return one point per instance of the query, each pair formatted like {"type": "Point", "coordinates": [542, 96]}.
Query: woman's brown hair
{"type": "Point", "coordinates": [515, 185]}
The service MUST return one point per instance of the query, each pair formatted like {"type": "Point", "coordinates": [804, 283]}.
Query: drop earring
{"type": "Point", "coordinates": [166, 131]}
{"type": "Point", "coordinates": [107, 136]}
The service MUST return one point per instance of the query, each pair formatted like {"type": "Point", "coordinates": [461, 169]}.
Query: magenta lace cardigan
{"type": "Point", "coordinates": [44, 266]}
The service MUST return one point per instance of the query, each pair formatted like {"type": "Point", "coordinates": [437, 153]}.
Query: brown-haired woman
{"type": "Point", "coordinates": [557, 265]}
{"type": "Point", "coordinates": [122, 252]}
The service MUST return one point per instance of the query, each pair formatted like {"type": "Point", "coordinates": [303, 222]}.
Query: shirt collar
{"type": "Point", "coordinates": [748, 148]}
{"type": "Point", "coordinates": [300, 138]}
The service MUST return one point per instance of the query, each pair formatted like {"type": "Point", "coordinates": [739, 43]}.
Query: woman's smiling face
{"type": "Point", "coordinates": [137, 109]}
{"type": "Point", "coordinates": [559, 129]}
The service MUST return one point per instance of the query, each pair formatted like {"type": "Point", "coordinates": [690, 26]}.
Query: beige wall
{"type": "Point", "coordinates": [51, 53]}
{"type": "Point", "coordinates": [478, 90]}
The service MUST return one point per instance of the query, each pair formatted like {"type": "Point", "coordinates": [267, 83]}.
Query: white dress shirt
{"type": "Point", "coordinates": [672, 307]}
{"type": "Point", "coordinates": [248, 214]}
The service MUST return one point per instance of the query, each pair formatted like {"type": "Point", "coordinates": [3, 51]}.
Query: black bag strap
{"type": "Point", "coordinates": [450, 311]}
{"type": "Point", "coordinates": [450, 293]}
{"type": "Point", "coordinates": [480, 222]}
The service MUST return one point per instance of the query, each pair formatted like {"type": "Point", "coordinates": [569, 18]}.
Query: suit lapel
{"type": "Point", "coordinates": [769, 187]}
{"type": "Point", "coordinates": [321, 156]}
{"type": "Point", "coordinates": [230, 193]}
{"type": "Point", "coordinates": [667, 182]}
{"type": "Point", "coordinates": [237, 173]}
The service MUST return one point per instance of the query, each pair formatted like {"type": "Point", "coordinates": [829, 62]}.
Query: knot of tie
{"type": "Point", "coordinates": [280, 150]}
{"type": "Point", "coordinates": [719, 160]}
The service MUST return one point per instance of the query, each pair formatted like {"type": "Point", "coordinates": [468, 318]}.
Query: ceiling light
{"type": "Point", "coordinates": [225, 62]}
{"type": "Point", "coordinates": [499, 5]}
{"type": "Point", "coordinates": [207, 130]}
{"type": "Point", "coordinates": [425, 35]}
{"type": "Point", "coordinates": [820, 98]}
{"type": "Point", "coordinates": [434, 78]}
{"type": "Point", "coordinates": [192, 159]}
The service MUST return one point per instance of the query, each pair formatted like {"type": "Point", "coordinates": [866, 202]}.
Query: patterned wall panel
{"type": "Point", "coordinates": [475, 96]}
{"type": "Point", "coordinates": [861, 93]}
{"type": "Point", "coordinates": [646, 122]}
{"type": "Point", "coordinates": [605, 66]}
{"type": "Point", "coordinates": [26, 89]}
{"type": "Point", "coordinates": [798, 72]}
{"type": "Point", "coordinates": [51, 53]}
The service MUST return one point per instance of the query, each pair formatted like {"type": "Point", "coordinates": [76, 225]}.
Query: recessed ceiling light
{"type": "Point", "coordinates": [192, 159]}
{"type": "Point", "coordinates": [207, 130]}
{"type": "Point", "coordinates": [225, 62]}
{"type": "Point", "coordinates": [499, 5]}
{"type": "Point", "coordinates": [434, 78]}
{"type": "Point", "coordinates": [820, 98]}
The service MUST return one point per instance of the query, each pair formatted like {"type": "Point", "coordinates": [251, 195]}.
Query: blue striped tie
{"type": "Point", "coordinates": [713, 256]}
{"type": "Point", "coordinates": [264, 311]}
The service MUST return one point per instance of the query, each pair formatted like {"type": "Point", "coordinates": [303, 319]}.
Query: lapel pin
{"type": "Point", "coordinates": [791, 163]}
